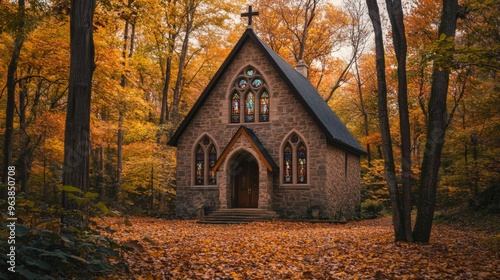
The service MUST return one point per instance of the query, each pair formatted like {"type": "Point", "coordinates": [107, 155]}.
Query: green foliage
{"type": "Point", "coordinates": [88, 201]}
{"type": "Point", "coordinates": [442, 51]}
{"type": "Point", "coordinates": [46, 250]}
{"type": "Point", "coordinates": [46, 254]}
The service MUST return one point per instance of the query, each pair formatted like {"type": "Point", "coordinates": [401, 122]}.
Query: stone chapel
{"type": "Point", "coordinates": [261, 136]}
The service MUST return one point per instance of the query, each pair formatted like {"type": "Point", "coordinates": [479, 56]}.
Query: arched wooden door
{"type": "Point", "coordinates": [246, 182]}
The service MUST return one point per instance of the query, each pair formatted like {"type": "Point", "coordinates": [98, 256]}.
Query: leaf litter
{"type": "Point", "coordinates": [180, 249]}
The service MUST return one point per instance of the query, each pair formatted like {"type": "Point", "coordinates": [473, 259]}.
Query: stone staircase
{"type": "Point", "coordinates": [238, 216]}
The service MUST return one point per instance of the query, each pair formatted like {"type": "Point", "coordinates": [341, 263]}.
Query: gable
{"type": "Point", "coordinates": [336, 132]}
{"type": "Point", "coordinates": [256, 145]}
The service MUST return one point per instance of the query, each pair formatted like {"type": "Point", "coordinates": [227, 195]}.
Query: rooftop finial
{"type": "Point", "coordinates": [249, 15]}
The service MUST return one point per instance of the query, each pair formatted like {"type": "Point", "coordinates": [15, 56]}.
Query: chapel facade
{"type": "Point", "coordinates": [261, 136]}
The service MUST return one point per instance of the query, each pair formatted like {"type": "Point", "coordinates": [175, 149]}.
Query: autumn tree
{"type": "Point", "coordinates": [395, 11]}
{"type": "Point", "coordinates": [436, 124]}
{"type": "Point", "coordinates": [127, 51]}
{"type": "Point", "coordinates": [20, 37]}
{"type": "Point", "coordinates": [310, 31]}
{"type": "Point", "coordinates": [77, 129]}
{"type": "Point", "coordinates": [383, 114]}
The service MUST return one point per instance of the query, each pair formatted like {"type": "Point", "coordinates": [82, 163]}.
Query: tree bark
{"type": "Point", "coordinates": [77, 130]}
{"type": "Point", "coordinates": [395, 11]}
{"type": "Point", "coordinates": [11, 89]}
{"type": "Point", "coordinates": [190, 14]}
{"type": "Point", "coordinates": [390, 173]}
{"type": "Point", "coordinates": [363, 111]}
{"type": "Point", "coordinates": [309, 14]}
{"type": "Point", "coordinates": [164, 98]}
{"type": "Point", "coordinates": [24, 138]}
{"type": "Point", "coordinates": [437, 120]}
{"type": "Point", "coordinates": [172, 36]}
{"type": "Point", "coordinates": [123, 84]}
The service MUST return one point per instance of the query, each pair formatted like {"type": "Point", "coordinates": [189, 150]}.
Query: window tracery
{"type": "Point", "coordinates": [294, 160]}
{"type": "Point", "coordinates": [250, 98]}
{"type": "Point", "coordinates": [205, 156]}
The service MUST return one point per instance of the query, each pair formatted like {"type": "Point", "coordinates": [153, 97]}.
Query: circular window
{"type": "Point", "coordinates": [256, 83]}
{"type": "Point", "coordinates": [242, 84]}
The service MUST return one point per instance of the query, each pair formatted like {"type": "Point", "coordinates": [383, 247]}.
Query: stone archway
{"type": "Point", "coordinates": [244, 180]}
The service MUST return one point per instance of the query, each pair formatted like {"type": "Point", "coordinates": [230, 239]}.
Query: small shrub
{"type": "Point", "coordinates": [371, 209]}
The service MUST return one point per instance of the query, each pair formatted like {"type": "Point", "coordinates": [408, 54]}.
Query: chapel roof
{"type": "Point", "coordinates": [252, 138]}
{"type": "Point", "coordinates": [336, 132]}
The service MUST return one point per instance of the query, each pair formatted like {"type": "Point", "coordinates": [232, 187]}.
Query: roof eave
{"type": "Point", "coordinates": [334, 142]}
{"type": "Point", "coordinates": [175, 137]}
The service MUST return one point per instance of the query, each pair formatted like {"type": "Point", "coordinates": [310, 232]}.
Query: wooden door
{"type": "Point", "coordinates": [247, 185]}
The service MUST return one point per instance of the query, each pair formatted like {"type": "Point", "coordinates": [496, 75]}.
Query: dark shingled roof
{"type": "Point", "coordinates": [336, 132]}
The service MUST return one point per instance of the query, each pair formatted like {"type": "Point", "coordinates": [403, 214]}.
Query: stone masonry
{"type": "Point", "coordinates": [333, 181]}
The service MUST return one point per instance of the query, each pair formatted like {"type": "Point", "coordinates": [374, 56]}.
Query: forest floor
{"type": "Point", "coordinates": [175, 249]}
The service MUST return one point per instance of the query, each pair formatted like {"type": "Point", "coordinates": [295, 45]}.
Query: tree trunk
{"type": "Point", "coordinates": [164, 99]}
{"type": "Point", "coordinates": [11, 89]}
{"type": "Point", "coordinates": [77, 130]}
{"type": "Point", "coordinates": [390, 173]}
{"type": "Point", "coordinates": [395, 11]}
{"type": "Point", "coordinates": [363, 111]}
{"type": "Point", "coordinates": [123, 84]}
{"type": "Point", "coordinates": [23, 159]}
{"type": "Point", "coordinates": [119, 154]}
{"type": "Point", "coordinates": [190, 13]}
{"type": "Point", "coordinates": [172, 36]}
{"type": "Point", "coordinates": [436, 126]}
{"type": "Point", "coordinates": [309, 14]}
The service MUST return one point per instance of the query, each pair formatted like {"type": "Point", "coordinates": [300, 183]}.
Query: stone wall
{"type": "Point", "coordinates": [342, 188]}
{"type": "Point", "coordinates": [224, 175]}
{"type": "Point", "coordinates": [286, 115]}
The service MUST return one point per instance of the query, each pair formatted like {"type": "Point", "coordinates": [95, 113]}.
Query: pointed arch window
{"type": "Point", "coordinates": [250, 107]}
{"type": "Point", "coordinates": [264, 107]}
{"type": "Point", "coordinates": [200, 165]}
{"type": "Point", "coordinates": [212, 158]}
{"type": "Point", "coordinates": [294, 154]}
{"type": "Point", "coordinates": [250, 99]}
{"type": "Point", "coordinates": [205, 156]}
{"type": "Point", "coordinates": [235, 108]}
{"type": "Point", "coordinates": [301, 164]}
{"type": "Point", "coordinates": [288, 164]}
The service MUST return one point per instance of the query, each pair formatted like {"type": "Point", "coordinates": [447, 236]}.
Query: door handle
{"type": "Point", "coordinates": [249, 190]}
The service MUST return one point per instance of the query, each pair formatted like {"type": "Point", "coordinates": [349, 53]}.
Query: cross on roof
{"type": "Point", "coordinates": [249, 15]}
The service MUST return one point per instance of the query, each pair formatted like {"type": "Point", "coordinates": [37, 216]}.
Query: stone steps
{"type": "Point", "coordinates": [238, 216]}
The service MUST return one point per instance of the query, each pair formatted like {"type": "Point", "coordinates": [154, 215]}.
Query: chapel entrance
{"type": "Point", "coordinates": [245, 181]}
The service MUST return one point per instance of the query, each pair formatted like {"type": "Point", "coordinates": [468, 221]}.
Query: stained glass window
{"type": "Point", "coordinates": [264, 107]}
{"type": "Point", "coordinates": [250, 107]}
{"type": "Point", "coordinates": [242, 83]}
{"type": "Point", "coordinates": [200, 166]}
{"type": "Point", "coordinates": [212, 158]}
{"type": "Point", "coordinates": [249, 97]}
{"type": "Point", "coordinates": [287, 162]}
{"type": "Point", "coordinates": [206, 140]}
{"type": "Point", "coordinates": [301, 164]}
{"type": "Point", "coordinates": [294, 160]}
{"type": "Point", "coordinates": [256, 83]}
{"type": "Point", "coordinates": [235, 108]}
